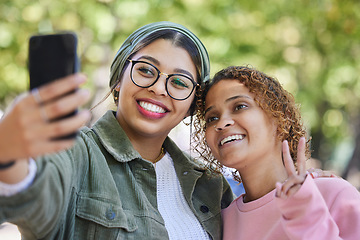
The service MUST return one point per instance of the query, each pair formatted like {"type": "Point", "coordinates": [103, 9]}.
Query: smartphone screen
{"type": "Point", "coordinates": [52, 57]}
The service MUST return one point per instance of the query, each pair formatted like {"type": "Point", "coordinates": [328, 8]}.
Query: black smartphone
{"type": "Point", "coordinates": [51, 57]}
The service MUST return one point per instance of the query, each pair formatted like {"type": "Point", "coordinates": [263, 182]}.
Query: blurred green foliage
{"type": "Point", "coordinates": [312, 47]}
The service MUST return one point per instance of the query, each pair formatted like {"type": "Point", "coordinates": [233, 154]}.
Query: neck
{"type": "Point", "coordinates": [149, 149]}
{"type": "Point", "coordinates": [147, 144]}
{"type": "Point", "coordinates": [260, 180]}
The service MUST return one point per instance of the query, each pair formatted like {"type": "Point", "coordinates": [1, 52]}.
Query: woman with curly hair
{"type": "Point", "coordinates": [253, 125]}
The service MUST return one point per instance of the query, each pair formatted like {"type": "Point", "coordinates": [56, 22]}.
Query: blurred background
{"type": "Point", "coordinates": [312, 47]}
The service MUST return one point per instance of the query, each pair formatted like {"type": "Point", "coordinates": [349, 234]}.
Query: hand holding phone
{"type": "Point", "coordinates": [24, 132]}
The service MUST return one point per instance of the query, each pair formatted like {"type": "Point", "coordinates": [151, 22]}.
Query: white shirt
{"type": "Point", "coordinates": [180, 221]}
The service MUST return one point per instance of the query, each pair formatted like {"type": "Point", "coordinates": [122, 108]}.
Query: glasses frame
{"type": "Point", "coordinates": [195, 84]}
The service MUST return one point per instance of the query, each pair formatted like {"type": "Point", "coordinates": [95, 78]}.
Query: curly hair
{"type": "Point", "coordinates": [272, 98]}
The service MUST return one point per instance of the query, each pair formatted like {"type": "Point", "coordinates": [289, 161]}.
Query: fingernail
{"type": "Point", "coordinates": [84, 92]}
{"type": "Point", "coordinates": [314, 174]}
{"type": "Point", "coordinates": [86, 114]}
{"type": "Point", "coordinates": [80, 77]}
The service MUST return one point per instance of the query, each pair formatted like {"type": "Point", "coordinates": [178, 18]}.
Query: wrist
{"type": "Point", "coordinates": [7, 165]}
{"type": "Point", "coordinates": [16, 172]}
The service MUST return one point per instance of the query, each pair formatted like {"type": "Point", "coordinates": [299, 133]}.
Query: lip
{"type": "Point", "coordinates": [231, 139]}
{"type": "Point", "coordinates": [149, 114]}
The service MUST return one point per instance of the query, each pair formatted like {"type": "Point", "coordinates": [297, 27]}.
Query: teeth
{"type": "Point", "coordinates": [231, 138]}
{"type": "Point", "coordinates": [151, 107]}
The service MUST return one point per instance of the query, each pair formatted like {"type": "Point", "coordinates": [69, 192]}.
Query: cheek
{"type": "Point", "coordinates": [182, 107]}
{"type": "Point", "coordinates": [209, 138]}
{"type": "Point", "coordinates": [127, 88]}
{"type": "Point", "coordinates": [273, 127]}
{"type": "Point", "coordinates": [125, 80]}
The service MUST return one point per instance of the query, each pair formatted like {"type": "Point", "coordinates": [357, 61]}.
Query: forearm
{"type": "Point", "coordinates": [36, 203]}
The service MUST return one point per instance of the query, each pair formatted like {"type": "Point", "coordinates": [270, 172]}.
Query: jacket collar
{"type": "Point", "coordinates": [114, 139]}
{"type": "Point", "coordinates": [116, 142]}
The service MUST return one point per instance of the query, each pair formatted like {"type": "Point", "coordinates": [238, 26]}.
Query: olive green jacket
{"type": "Point", "coordinates": [102, 189]}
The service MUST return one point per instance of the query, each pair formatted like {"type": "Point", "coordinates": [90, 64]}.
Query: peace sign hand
{"type": "Point", "coordinates": [295, 179]}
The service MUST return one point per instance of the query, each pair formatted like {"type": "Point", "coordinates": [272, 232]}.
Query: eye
{"type": "Point", "coordinates": [180, 82]}
{"type": "Point", "coordinates": [146, 70]}
{"type": "Point", "coordinates": [210, 119]}
{"type": "Point", "coordinates": [239, 107]}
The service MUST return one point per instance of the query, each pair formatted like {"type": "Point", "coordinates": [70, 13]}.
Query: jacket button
{"type": "Point", "coordinates": [110, 214]}
{"type": "Point", "coordinates": [204, 209]}
{"type": "Point", "coordinates": [185, 173]}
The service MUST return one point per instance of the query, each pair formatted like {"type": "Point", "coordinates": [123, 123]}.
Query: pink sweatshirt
{"type": "Point", "coordinates": [323, 208]}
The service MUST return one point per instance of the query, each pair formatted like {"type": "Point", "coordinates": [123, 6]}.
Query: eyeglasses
{"type": "Point", "coordinates": [178, 86]}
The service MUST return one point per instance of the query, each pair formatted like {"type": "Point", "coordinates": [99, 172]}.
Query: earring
{"type": "Point", "coordinates": [116, 93]}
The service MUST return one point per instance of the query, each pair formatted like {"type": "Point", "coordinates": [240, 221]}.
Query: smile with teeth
{"type": "Point", "coordinates": [151, 107]}
{"type": "Point", "coordinates": [231, 138]}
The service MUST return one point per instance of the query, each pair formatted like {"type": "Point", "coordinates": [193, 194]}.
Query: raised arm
{"type": "Point", "coordinates": [27, 130]}
{"type": "Point", "coordinates": [326, 210]}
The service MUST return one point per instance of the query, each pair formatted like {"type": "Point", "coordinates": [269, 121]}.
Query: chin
{"type": "Point", "coordinates": [231, 161]}
{"type": "Point", "coordinates": [152, 131]}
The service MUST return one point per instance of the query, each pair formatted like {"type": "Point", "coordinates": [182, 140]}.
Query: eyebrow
{"type": "Point", "coordinates": [236, 97]}
{"type": "Point", "coordinates": [228, 100]}
{"type": "Point", "coordinates": [151, 59]}
{"type": "Point", "coordinates": [157, 62]}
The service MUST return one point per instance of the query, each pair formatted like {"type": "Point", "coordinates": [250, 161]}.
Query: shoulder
{"type": "Point", "coordinates": [336, 188]}
{"type": "Point", "coordinates": [343, 202]}
{"type": "Point", "coordinates": [232, 208]}
{"type": "Point", "coordinates": [332, 184]}
{"type": "Point", "coordinates": [86, 138]}
{"type": "Point", "coordinates": [85, 146]}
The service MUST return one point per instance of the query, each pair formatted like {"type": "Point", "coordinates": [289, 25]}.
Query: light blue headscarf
{"type": "Point", "coordinates": [136, 37]}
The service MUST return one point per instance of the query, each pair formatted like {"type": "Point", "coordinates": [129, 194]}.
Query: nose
{"type": "Point", "coordinates": [223, 123]}
{"type": "Point", "coordinates": [159, 86]}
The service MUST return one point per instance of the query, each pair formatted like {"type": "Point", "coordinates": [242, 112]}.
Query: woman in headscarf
{"type": "Point", "coordinates": [123, 178]}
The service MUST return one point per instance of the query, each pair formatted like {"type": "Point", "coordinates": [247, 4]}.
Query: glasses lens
{"type": "Point", "coordinates": [143, 74]}
{"type": "Point", "coordinates": [180, 86]}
